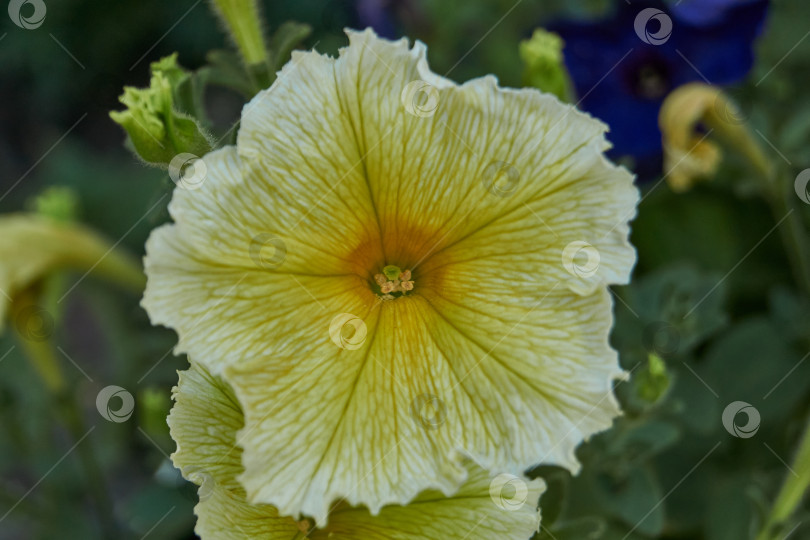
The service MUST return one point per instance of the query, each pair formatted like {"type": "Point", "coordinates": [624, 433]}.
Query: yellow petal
{"type": "Point", "coordinates": [436, 380]}
{"type": "Point", "coordinates": [226, 515]}
{"type": "Point", "coordinates": [204, 422]}
{"type": "Point", "coordinates": [512, 222]}
{"type": "Point", "coordinates": [484, 508]}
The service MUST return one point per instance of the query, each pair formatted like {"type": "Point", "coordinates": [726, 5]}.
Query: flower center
{"type": "Point", "coordinates": [393, 282]}
{"type": "Point", "coordinates": [648, 76]}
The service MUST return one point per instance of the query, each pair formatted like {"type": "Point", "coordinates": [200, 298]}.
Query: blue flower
{"type": "Point", "coordinates": [624, 66]}
{"type": "Point", "coordinates": [377, 14]}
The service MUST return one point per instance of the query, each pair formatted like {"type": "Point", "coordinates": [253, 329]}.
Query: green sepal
{"type": "Point", "coordinates": [284, 40]}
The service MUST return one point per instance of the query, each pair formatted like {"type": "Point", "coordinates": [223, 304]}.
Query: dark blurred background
{"type": "Point", "coordinates": [59, 81]}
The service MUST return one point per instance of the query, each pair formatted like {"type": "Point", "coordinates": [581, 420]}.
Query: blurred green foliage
{"type": "Point", "coordinates": [711, 317]}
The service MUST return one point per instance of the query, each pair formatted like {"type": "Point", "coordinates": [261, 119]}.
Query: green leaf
{"type": "Point", "coordinates": [730, 511]}
{"type": "Point", "coordinates": [634, 499]}
{"type": "Point", "coordinates": [713, 231]}
{"type": "Point", "coordinates": [225, 69]}
{"type": "Point", "coordinates": [673, 310]}
{"type": "Point", "coordinates": [791, 314]}
{"type": "Point", "coordinates": [587, 528]}
{"type": "Point", "coordinates": [753, 363]}
{"type": "Point", "coordinates": [631, 442]}
{"type": "Point", "coordinates": [693, 404]}
{"type": "Point", "coordinates": [287, 37]}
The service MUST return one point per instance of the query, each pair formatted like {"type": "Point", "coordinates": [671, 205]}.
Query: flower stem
{"type": "Point", "coordinates": [791, 493]}
{"type": "Point", "coordinates": [794, 235]}
{"type": "Point", "coordinates": [42, 356]}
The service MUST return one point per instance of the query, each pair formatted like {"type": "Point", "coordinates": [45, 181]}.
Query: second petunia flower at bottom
{"type": "Point", "coordinates": [395, 274]}
{"type": "Point", "coordinates": [204, 423]}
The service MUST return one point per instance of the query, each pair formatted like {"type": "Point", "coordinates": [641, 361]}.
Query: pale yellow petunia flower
{"type": "Point", "coordinates": [204, 422]}
{"type": "Point", "coordinates": [511, 222]}
{"type": "Point", "coordinates": [691, 155]}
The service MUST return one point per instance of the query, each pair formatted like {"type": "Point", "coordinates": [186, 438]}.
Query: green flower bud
{"type": "Point", "coordinates": [59, 203]}
{"type": "Point", "coordinates": [157, 125]}
{"type": "Point", "coordinates": [653, 381]}
{"type": "Point", "coordinates": [543, 64]}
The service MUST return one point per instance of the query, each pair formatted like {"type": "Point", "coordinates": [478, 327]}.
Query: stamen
{"type": "Point", "coordinates": [387, 287]}
{"type": "Point", "coordinates": [405, 281]}
{"type": "Point", "coordinates": [394, 280]}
